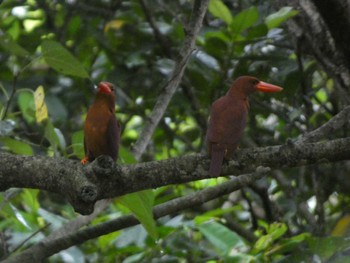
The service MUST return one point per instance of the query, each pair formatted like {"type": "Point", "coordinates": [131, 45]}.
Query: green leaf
{"type": "Point", "coordinates": [244, 20]}
{"type": "Point", "coordinates": [212, 213]}
{"type": "Point", "coordinates": [141, 204]}
{"type": "Point", "coordinates": [328, 246]}
{"type": "Point", "coordinates": [276, 19]}
{"type": "Point", "coordinates": [26, 105]}
{"type": "Point", "coordinates": [222, 238]}
{"type": "Point", "coordinates": [287, 245]}
{"type": "Point", "coordinates": [126, 155]}
{"type": "Point", "coordinates": [262, 243]}
{"type": "Point", "coordinates": [17, 147]}
{"type": "Point", "coordinates": [20, 217]}
{"type": "Point", "coordinates": [62, 60]}
{"type": "Point", "coordinates": [11, 46]}
{"type": "Point", "coordinates": [30, 198]}
{"type": "Point", "coordinates": [276, 230]}
{"type": "Point", "coordinates": [78, 144]}
{"type": "Point", "coordinates": [257, 31]}
{"type": "Point", "coordinates": [218, 9]}
{"type": "Point", "coordinates": [51, 135]}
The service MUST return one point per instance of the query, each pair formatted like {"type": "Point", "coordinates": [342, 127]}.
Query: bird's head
{"type": "Point", "coordinates": [247, 85]}
{"type": "Point", "coordinates": [105, 88]}
{"type": "Point", "coordinates": [106, 94]}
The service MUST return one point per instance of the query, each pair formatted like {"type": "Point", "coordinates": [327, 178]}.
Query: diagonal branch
{"type": "Point", "coordinates": [198, 12]}
{"type": "Point", "coordinates": [43, 250]}
{"type": "Point", "coordinates": [329, 127]}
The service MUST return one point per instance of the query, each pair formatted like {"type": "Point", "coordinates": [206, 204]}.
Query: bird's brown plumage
{"type": "Point", "coordinates": [101, 128]}
{"type": "Point", "coordinates": [228, 119]}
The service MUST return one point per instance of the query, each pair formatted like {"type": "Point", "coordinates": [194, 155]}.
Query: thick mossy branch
{"type": "Point", "coordinates": [84, 185]}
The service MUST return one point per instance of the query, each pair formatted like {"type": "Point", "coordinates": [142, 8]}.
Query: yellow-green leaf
{"type": "Point", "coordinates": [218, 9]}
{"type": "Point", "coordinates": [275, 19]}
{"type": "Point", "coordinates": [40, 105]}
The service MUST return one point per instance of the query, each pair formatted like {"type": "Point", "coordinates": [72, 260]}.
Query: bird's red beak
{"type": "Point", "coordinates": [267, 87]}
{"type": "Point", "coordinates": [105, 87]}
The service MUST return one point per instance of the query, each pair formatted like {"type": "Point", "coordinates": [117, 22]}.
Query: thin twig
{"type": "Point", "coordinates": [198, 12]}
{"type": "Point", "coordinates": [30, 237]}
{"type": "Point", "coordinates": [14, 89]}
{"type": "Point", "coordinates": [329, 127]}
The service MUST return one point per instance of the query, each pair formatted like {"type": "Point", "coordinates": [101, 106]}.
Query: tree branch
{"type": "Point", "coordinates": [198, 12]}
{"type": "Point", "coordinates": [84, 185]}
{"type": "Point", "coordinates": [45, 249]}
{"type": "Point", "coordinates": [329, 127]}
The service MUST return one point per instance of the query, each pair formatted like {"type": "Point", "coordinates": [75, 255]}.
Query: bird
{"type": "Point", "coordinates": [101, 127]}
{"type": "Point", "coordinates": [228, 119]}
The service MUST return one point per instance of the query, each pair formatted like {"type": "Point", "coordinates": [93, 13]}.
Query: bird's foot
{"type": "Point", "coordinates": [85, 160]}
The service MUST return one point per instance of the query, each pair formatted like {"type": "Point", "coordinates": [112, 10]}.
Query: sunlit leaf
{"type": "Point", "coordinates": [20, 217]}
{"type": "Point", "coordinates": [40, 105]}
{"type": "Point", "coordinates": [114, 24]}
{"type": "Point", "coordinates": [276, 19]}
{"type": "Point", "coordinates": [30, 198]}
{"type": "Point", "coordinates": [62, 60]}
{"type": "Point", "coordinates": [218, 9]}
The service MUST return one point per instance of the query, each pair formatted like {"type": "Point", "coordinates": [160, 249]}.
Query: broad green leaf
{"type": "Point", "coordinates": [218, 9]}
{"type": "Point", "coordinates": [327, 246]}
{"type": "Point", "coordinates": [11, 46]}
{"type": "Point", "coordinates": [26, 104]}
{"type": "Point", "coordinates": [276, 19]}
{"type": "Point", "coordinates": [62, 60]}
{"type": "Point", "coordinates": [141, 204]}
{"type": "Point", "coordinates": [222, 238]}
{"type": "Point", "coordinates": [17, 147]}
{"type": "Point", "coordinates": [244, 19]}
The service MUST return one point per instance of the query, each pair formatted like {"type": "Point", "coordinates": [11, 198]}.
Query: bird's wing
{"type": "Point", "coordinates": [226, 123]}
{"type": "Point", "coordinates": [113, 137]}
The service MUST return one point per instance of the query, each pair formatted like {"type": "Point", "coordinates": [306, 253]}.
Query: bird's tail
{"type": "Point", "coordinates": [217, 157]}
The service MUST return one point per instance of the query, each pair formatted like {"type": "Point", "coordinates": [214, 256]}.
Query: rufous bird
{"type": "Point", "coordinates": [228, 119]}
{"type": "Point", "coordinates": [101, 128]}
